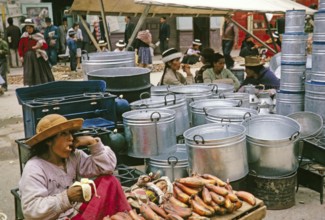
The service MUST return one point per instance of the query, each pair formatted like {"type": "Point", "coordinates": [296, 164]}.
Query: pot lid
{"type": "Point", "coordinates": [230, 112]}
{"type": "Point", "coordinates": [149, 114]}
{"type": "Point", "coordinates": [200, 104]}
{"type": "Point", "coordinates": [158, 101]}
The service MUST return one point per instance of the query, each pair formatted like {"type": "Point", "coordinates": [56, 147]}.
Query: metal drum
{"type": "Point", "coordinates": [95, 61]}
{"type": "Point", "coordinates": [271, 145]}
{"type": "Point", "coordinates": [319, 22]}
{"type": "Point", "coordinates": [293, 48]}
{"type": "Point", "coordinates": [295, 21]}
{"type": "Point", "coordinates": [318, 59]}
{"type": "Point", "coordinates": [289, 102]}
{"type": "Point", "coordinates": [149, 132]}
{"type": "Point", "coordinates": [315, 98]}
{"type": "Point", "coordinates": [240, 96]}
{"type": "Point", "coordinates": [293, 77]}
{"type": "Point", "coordinates": [127, 81]}
{"type": "Point", "coordinates": [228, 115]}
{"type": "Point", "coordinates": [218, 149]}
{"type": "Point", "coordinates": [199, 107]}
{"type": "Point", "coordinates": [169, 101]}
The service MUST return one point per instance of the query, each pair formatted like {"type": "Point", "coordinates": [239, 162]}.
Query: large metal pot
{"type": "Point", "coordinates": [169, 101]}
{"type": "Point", "coordinates": [160, 90]}
{"type": "Point", "coordinates": [228, 115]}
{"type": "Point", "coordinates": [218, 149]}
{"type": "Point", "coordinates": [127, 81]}
{"type": "Point", "coordinates": [199, 107]}
{"type": "Point", "coordinates": [149, 132]}
{"type": "Point", "coordinates": [315, 97]}
{"type": "Point", "coordinates": [271, 144]}
{"type": "Point", "coordinates": [244, 97]}
{"type": "Point", "coordinates": [218, 88]}
{"type": "Point", "coordinates": [289, 102]}
{"type": "Point", "coordinates": [174, 165]}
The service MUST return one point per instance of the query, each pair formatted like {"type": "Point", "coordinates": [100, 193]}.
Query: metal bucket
{"type": "Point", "coordinates": [127, 81]}
{"type": "Point", "coordinates": [149, 132]}
{"type": "Point", "coordinates": [319, 22]}
{"type": "Point", "coordinates": [293, 77]}
{"type": "Point", "coordinates": [199, 107]}
{"type": "Point", "coordinates": [318, 57]}
{"type": "Point", "coordinates": [169, 101]}
{"type": "Point", "coordinates": [95, 61]}
{"type": "Point", "coordinates": [315, 98]}
{"type": "Point", "coordinates": [240, 96]}
{"type": "Point", "coordinates": [174, 165]}
{"type": "Point", "coordinates": [271, 145]}
{"type": "Point", "coordinates": [228, 115]}
{"type": "Point", "coordinates": [217, 149]}
{"type": "Point", "coordinates": [289, 102]}
{"type": "Point", "coordinates": [295, 21]}
{"type": "Point", "coordinates": [293, 48]}
{"type": "Point", "coordinates": [276, 192]}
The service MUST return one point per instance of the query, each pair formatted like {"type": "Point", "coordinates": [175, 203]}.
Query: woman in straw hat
{"type": "Point", "coordinates": [31, 50]}
{"type": "Point", "coordinates": [257, 74]}
{"type": "Point", "coordinates": [102, 46]}
{"type": "Point", "coordinates": [171, 76]}
{"type": "Point", "coordinates": [56, 163]}
{"type": "Point", "coordinates": [120, 46]}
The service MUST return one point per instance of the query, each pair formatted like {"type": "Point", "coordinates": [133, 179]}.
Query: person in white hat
{"type": "Point", "coordinates": [102, 45]}
{"type": "Point", "coordinates": [192, 55]}
{"type": "Point", "coordinates": [120, 46]}
{"type": "Point", "coordinates": [171, 76]}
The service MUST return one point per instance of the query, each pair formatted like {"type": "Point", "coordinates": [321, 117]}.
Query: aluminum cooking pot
{"type": "Point", "coordinates": [228, 114]}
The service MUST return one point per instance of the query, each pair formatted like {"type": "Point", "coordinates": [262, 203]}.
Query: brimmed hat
{"type": "Point", "coordinates": [29, 22]}
{"type": "Point", "coordinates": [253, 61]}
{"type": "Point", "coordinates": [51, 125]}
{"type": "Point", "coordinates": [275, 34]}
{"type": "Point", "coordinates": [170, 54]}
{"type": "Point", "coordinates": [102, 43]}
{"type": "Point", "coordinates": [197, 42]}
{"type": "Point", "coordinates": [120, 43]}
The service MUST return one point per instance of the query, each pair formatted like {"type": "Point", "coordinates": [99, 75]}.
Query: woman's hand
{"type": "Point", "coordinates": [187, 69]}
{"type": "Point", "coordinates": [75, 194]}
{"type": "Point", "coordinates": [83, 141]}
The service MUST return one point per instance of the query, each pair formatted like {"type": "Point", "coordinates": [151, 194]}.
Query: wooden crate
{"type": "Point", "coordinates": [246, 212]}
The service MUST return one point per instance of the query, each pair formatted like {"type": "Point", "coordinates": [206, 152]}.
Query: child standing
{"type": "Point", "coordinates": [72, 45]}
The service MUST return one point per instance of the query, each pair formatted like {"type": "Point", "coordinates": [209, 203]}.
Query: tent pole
{"type": "Point", "coordinates": [253, 36]}
{"type": "Point", "coordinates": [270, 32]}
{"type": "Point", "coordinates": [88, 32]}
{"type": "Point", "coordinates": [139, 24]}
{"type": "Point", "coordinates": [105, 24]}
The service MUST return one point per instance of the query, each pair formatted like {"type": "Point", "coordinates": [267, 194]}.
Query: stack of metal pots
{"type": "Point", "coordinates": [290, 98]}
{"type": "Point", "coordinates": [315, 88]}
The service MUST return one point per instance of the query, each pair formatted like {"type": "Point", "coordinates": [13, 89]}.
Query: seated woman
{"type": "Point", "coordinates": [206, 58]}
{"type": "Point", "coordinates": [55, 164]}
{"type": "Point", "coordinates": [120, 46]}
{"type": "Point", "coordinates": [257, 74]}
{"type": "Point", "coordinates": [248, 47]}
{"type": "Point", "coordinates": [192, 55]}
{"type": "Point", "coordinates": [171, 76]}
{"type": "Point", "coordinates": [218, 72]}
{"type": "Point", "coordinates": [102, 46]}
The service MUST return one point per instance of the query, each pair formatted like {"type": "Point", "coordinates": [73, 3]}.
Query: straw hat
{"type": "Point", "coordinates": [51, 125]}
{"type": "Point", "coordinates": [170, 54]}
{"type": "Point", "coordinates": [102, 43]}
{"type": "Point", "coordinates": [253, 61]}
{"type": "Point", "coordinates": [120, 43]}
{"type": "Point", "coordinates": [197, 42]}
{"type": "Point", "coordinates": [29, 22]}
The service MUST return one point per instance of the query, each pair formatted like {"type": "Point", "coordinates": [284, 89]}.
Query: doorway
{"type": "Point", "coordinates": [201, 30]}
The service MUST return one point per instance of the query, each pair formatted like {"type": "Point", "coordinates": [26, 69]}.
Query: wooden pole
{"type": "Point", "coordinates": [105, 24]}
{"type": "Point", "coordinates": [270, 32]}
{"type": "Point", "coordinates": [88, 32]}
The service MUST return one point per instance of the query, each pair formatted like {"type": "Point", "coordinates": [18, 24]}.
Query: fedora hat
{"type": "Point", "coordinates": [51, 125]}
{"type": "Point", "coordinates": [253, 61]}
{"type": "Point", "coordinates": [170, 54]}
{"type": "Point", "coordinates": [120, 43]}
{"type": "Point", "coordinates": [197, 42]}
{"type": "Point", "coordinates": [29, 22]}
{"type": "Point", "coordinates": [102, 43]}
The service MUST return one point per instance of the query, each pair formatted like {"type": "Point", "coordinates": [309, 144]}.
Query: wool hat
{"type": "Point", "coordinates": [102, 43]}
{"type": "Point", "coordinates": [51, 125]}
{"type": "Point", "coordinates": [170, 54]}
{"type": "Point", "coordinates": [197, 42]}
{"type": "Point", "coordinates": [120, 43]}
{"type": "Point", "coordinates": [253, 61]}
{"type": "Point", "coordinates": [28, 22]}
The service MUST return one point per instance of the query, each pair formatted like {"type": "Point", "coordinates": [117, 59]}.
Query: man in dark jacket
{"type": "Point", "coordinates": [12, 36]}
{"type": "Point", "coordinates": [248, 47]}
{"type": "Point", "coordinates": [51, 36]}
{"type": "Point", "coordinates": [129, 28]}
{"type": "Point", "coordinates": [85, 36]}
{"type": "Point", "coordinates": [164, 34]}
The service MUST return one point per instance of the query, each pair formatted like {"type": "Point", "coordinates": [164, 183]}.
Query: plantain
{"type": "Point", "coordinates": [238, 205]}
{"type": "Point", "coordinates": [189, 191]}
{"type": "Point", "coordinates": [206, 196]}
{"type": "Point", "coordinates": [220, 200]}
{"type": "Point", "coordinates": [201, 202]}
{"type": "Point", "coordinates": [199, 209]}
{"type": "Point", "coordinates": [86, 188]}
{"type": "Point", "coordinates": [193, 182]}
{"type": "Point", "coordinates": [228, 186]}
{"type": "Point", "coordinates": [215, 206]}
{"type": "Point", "coordinates": [173, 217]}
{"type": "Point", "coordinates": [180, 195]}
{"type": "Point", "coordinates": [229, 205]}
{"type": "Point", "coordinates": [247, 197]}
{"type": "Point", "coordinates": [219, 182]}
{"type": "Point", "coordinates": [134, 215]}
{"type": "Point", "coordinates": [233, 198]}
{"type": "Point", "coordinates": [217, 189]}
{"type": "Point", "coordinates": [161, 212]}
{"type": "Point", "coordinates": [175, 201]}
{"type": "Point", "coordinates": [197, 217]}
{"type": "Point", "coordinates": [148, 213]}
{"type": "Point", "coordinates": [222, 211]}
{"type": "Point", "coordinates": [171, 208]}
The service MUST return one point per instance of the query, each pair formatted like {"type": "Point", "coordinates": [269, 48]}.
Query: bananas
{"type": "Point", "coordinates": [86, 188]}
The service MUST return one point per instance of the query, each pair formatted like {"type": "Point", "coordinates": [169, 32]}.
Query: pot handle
{"type": "Point", "coordinates": [205, 111]}
{"type": "Point", "coordinates": [196, 141]}
{"type": "Point", "coordinates": [173, 94]}
{"type": "Point", "coordinates": [143, 105]}
{"type": "Point", "coordinates": [144, 93]}
{"type": "Point", "coordinates": [294, 136]}
{"type": "Point", "coordinates": [247, 114]}
{"type": "Point", "coordinates": [173, 165]}
{"type": "Point", "coordinates": [239, 103]}
{"type": "Point", "coordinates": [222, 96]}
{"type": "Point", "coordinates": [168, 87]}
{"type": "Point", "coordinates": [214, 86]}
{"type": "Point", "coordinates": [222, 119]}
{"type": "Point", "coordinates": [151, 116]}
